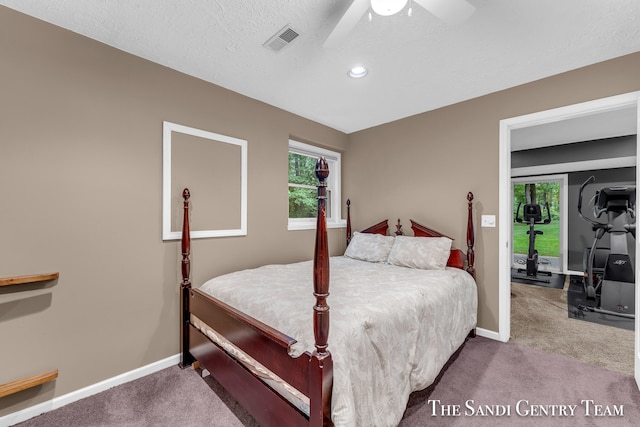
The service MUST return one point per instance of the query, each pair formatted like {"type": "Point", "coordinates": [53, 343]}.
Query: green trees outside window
{"type": "Point", "coordinates": [303, 193]}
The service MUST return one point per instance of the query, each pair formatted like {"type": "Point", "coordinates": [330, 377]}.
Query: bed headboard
{"type": "Point", "coordinates": [379, 228]}
{"type": "Point", "coordinates": [456, 258]}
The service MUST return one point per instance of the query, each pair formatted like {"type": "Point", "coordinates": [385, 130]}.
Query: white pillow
{"type": "Point", "coordinates": [369, 247]}
{"type": "Point", "coordinates": [427, 253]}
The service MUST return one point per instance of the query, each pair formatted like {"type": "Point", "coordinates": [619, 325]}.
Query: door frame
{"type": "Point", "coordinates": [628, 100]}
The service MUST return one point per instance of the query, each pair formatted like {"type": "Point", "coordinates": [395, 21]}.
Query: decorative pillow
{"type": "Point", "coordinates": [427, 253]}
{"type": "Point", "coordinates": [369, 247]}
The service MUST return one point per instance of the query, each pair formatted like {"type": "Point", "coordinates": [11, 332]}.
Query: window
{"type": "Point", "coordinates": [303, 193]}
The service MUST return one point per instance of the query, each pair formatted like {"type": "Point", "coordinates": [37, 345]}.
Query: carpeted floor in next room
{"type": "Point", "coordinates": [539, 319]}
{"type": "Point", "coordinates": [512, 380]}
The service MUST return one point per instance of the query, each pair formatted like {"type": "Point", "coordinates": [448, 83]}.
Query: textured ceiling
{"type": "Point", "coordinates": [416, 63]}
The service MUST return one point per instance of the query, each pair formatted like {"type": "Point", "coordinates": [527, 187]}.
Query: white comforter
{"type": "Point", "coordinates": [392, 328]}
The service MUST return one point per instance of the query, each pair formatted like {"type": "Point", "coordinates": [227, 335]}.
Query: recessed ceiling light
{"type": "Point", "coordinates": [357, 72]}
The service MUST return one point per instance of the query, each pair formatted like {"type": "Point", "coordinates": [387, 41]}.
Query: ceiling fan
{"type": "Point", "coordinates": [449, 11]}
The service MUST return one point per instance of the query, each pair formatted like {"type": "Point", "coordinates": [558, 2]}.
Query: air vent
{"type": "Point", "coordinates": [281, 39]}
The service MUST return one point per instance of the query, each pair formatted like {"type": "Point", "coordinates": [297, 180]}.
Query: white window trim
{"type": "Point", "coordinates": [334, 183]}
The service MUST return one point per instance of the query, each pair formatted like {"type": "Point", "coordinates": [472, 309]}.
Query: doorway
{"type": "Point", "coordinates": [585, 113]}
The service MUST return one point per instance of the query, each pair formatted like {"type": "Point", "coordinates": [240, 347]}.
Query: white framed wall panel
{"type": "Point", "coordinates": [216, 165]}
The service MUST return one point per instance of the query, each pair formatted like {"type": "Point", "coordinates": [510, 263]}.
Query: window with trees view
{"type": "Point", "coordinates": [303, 193]}
{"type": "Point", "coordinates": [544, 194]}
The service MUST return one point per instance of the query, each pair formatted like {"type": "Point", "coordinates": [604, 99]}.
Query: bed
{"type": "Point", "coordinates": [263, 333]}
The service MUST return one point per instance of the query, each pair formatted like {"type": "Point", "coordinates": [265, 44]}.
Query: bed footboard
{"type": "Point", "coordinates": [307, 373]}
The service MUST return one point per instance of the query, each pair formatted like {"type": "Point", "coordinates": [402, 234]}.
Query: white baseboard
{"type": "Point", "coordinates": [488, 334]}
{"type": "Point", "coordinates": [58, 402]}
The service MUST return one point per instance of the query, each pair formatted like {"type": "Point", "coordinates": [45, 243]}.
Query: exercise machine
{"type": "Point", "coordinates": [609, 275]}
{"type": "Point", "coordinates": [532, 215]}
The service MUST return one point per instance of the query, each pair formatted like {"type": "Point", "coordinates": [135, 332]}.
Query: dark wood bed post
{"type": "Point", "coordinates": [321, 380]}
{"type": "Point", "coordinates": [321, 263]}
{"type": "Point", "coordinates": [186, 358]}
{"type": "Point", "coordinates": [348, 221]}
{"type": "Point", "coordinates": [471, 255]}
{"type": "Point", "coordinates": [470, 237]}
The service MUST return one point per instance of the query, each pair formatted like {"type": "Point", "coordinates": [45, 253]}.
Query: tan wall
{"type": "Point", "coordinates": [81, 190]}
{"type": "Point", "coordinates": [423, 166]}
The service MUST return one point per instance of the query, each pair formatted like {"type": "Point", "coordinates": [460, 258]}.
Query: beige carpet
{"type": "Point", "coordinates": [539, 319]}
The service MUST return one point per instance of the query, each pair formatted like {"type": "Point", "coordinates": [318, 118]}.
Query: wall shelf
{"type": "Point", "coordinates": [34, 380]}
{"type": "Point", "coordinates": [27, 382]}
{"type": "Point", "coordinates": [31, 278]}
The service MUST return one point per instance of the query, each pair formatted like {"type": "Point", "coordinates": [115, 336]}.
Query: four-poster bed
{"type": "Point", "coordinates": [288, 378]}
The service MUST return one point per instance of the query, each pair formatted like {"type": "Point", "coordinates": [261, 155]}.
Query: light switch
{"type": "Point", "coordinates": [488, 220]}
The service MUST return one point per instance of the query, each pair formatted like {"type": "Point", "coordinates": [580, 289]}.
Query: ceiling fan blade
{"type": "Point", "coordinates": [348, 21]}
{"type": "Point", "coordinates": [450, 11]}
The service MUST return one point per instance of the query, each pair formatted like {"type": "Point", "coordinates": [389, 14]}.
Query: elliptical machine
{"type": "Point", "coordinates": [609, 276]}
{"type": "Point", "coordinates": [532, 214]}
